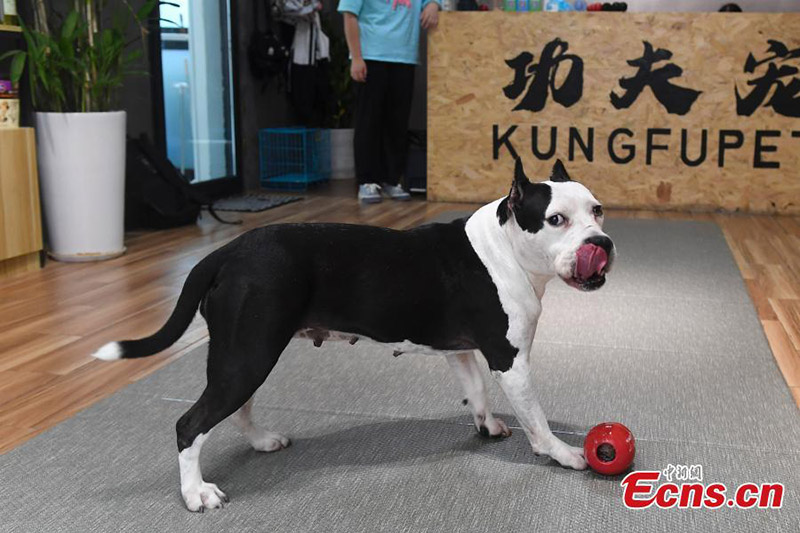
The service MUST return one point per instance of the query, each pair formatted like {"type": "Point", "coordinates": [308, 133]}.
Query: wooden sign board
{"type": "Point", "coordinates": [665, 111]}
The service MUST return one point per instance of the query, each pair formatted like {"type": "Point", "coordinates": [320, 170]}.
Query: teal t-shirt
{"type": "Point", "coordinates": [389, 29]}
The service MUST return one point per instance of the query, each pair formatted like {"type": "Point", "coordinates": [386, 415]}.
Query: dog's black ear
{"type": "Point", "coordinates": [518, 186]}
{"type": "Point", "coordinates": [559, 173]}
{"type": "Point", "coordinates": [516, 195]}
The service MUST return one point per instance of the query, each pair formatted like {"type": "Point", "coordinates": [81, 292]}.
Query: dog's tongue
{"type": "Point", "coordinates": [591, 259]}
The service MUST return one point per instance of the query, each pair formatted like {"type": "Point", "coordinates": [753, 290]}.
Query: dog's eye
{"type": "Point", "coordinates": [597, 210]}
{"type": "Point", "coordinates": [555, 220]}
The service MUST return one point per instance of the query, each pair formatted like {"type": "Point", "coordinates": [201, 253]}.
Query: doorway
{"type": "Point", "coordinates": [197, 86]}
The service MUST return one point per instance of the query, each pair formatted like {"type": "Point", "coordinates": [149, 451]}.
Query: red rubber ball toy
{"type": "Point", "coordinates": [609, 448]}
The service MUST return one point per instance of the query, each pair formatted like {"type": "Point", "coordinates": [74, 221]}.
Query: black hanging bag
{"type": "Point", "coordinates": [267, 53]}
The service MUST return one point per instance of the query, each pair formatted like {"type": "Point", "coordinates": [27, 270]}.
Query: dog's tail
{"type": "Point", "coordinates": [194, 289]}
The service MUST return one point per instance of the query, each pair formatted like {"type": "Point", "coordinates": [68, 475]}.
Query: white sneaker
{"type": "Point", "coordinates": [369, 193]}
{"type": "Point", "coordinates": [395, 192]}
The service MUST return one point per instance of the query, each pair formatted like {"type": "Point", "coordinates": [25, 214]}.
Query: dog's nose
{"type": "Point", "coordinates": [602, 241]}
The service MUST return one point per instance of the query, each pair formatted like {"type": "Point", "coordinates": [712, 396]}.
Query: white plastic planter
{"type": "Point", "coordinates": [343, 164]}
{"type": "Point", "coordinates": [82, 179]}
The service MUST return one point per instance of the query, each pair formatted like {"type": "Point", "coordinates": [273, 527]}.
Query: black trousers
{"type": "Point", "coordinates": [310, 93]}
{"type": "Point", "coordinates": [381, 125]}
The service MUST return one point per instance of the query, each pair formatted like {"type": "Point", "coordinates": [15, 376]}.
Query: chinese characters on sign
{"type": "Point", "coordinates": [537, 80]}
{"type": "Point", "coordinates": [785, 99]}
{"type": "Point", "coordinates": [540, 78]}
{"type": "Point", "coordinates": [677, 100]}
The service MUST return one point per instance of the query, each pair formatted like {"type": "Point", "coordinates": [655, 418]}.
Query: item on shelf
{"type": "Point", "coordinates": [558, 5]}
{"type": "Point", "coordinates": [606, 6]}
{"type": "Point", "coordinates": [529, 5]}
{"type": "Point", "coordinates": [8, 89]}
{"type": "Point", "coordinates": [9, 113]}
{"type": "Point", "coordinates": [10, 16]}
{"type": "Point", "coordinates": [509, 5]}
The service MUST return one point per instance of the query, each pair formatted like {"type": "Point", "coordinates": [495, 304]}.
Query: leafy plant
{"type": "Point", "coordinates": [78, 64]}
{"type": "Point", "coordinates": [341, 115]}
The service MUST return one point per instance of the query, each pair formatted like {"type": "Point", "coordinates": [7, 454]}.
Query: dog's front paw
{"type": "Point", "coordinates": [493, 427]}
{"type": "Point", "coordinates": [204, 496]}
{"type": "Point", "coordinates": [568, 456]}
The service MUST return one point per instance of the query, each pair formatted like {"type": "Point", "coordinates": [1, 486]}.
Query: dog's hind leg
{"type": "Point", "coordinates": [247, 338]}
{"type": "Point", "coordinates": [231, 384]}
{"type": "Point", "coordinates": [466, 369]}
{"type": "Point", "coordinates": [260, 439]}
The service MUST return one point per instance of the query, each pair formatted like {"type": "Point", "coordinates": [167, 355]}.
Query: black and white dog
{"type": "Point", "coordinates": [450, 289]}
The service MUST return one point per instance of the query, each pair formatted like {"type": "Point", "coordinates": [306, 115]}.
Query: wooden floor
{"type": "Point", "coordinates": [51, 320]}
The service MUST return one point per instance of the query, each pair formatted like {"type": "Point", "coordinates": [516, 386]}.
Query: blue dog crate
{"type": "Point", "coordinates": [294, 158]}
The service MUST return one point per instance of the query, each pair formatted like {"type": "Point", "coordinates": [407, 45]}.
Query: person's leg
{"type": "Point", "coordinates": [370, 100]}
{"type": "Point", "coordinates": [302, 93]}
{"type": "Point", "coordinates": [396, 113]}
{"type": "Point", "coordinates": [323, 101]}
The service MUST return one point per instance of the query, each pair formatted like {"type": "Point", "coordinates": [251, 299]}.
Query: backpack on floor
{"type": "Point", "coordinates": [157, 195]}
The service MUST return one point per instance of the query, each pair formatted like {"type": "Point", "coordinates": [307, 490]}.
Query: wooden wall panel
{"type": "Point", "coordinates": [467, 72]}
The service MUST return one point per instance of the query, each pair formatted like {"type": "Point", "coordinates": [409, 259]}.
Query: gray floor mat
{"type": "Point", "coordinates": [672, 347]}
{"type": "Point", "coordinates": [253, 202]}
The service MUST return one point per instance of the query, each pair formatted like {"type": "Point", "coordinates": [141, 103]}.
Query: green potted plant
{"type": "Point", "coordinates": [76, 64]}
{"type": "Point", "coordinates": [341, 117]}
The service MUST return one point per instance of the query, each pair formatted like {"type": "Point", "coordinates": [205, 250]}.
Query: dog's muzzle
{"type": "Point", "coordinates": [592, 261]}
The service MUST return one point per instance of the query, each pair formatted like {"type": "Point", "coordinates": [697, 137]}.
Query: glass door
{"type": "Point", "coordinates": [198, 89]}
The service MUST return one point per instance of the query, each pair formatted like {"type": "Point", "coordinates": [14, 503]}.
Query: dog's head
{"type": "Point", "coordinates": [556, 228]}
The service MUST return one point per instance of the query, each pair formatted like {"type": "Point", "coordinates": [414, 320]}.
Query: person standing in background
{"type": "Point", "coordinates": [309, 86]}
{"type": "Point", "coordinates": [383, 39]}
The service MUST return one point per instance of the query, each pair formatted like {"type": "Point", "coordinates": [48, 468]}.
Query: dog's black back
{"type": "Point", "coordinates": [420, 285]}
{"type": "Point", "coordinates": [426, 286]}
